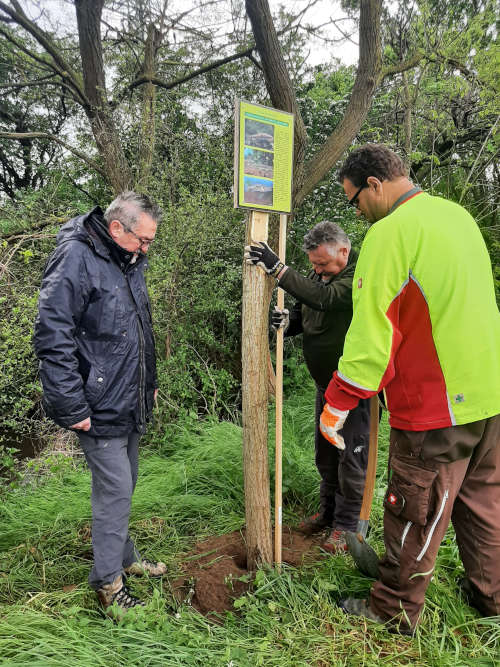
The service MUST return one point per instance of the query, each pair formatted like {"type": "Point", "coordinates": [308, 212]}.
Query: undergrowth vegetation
{"type": "Point", "coordinates": [191, 486]}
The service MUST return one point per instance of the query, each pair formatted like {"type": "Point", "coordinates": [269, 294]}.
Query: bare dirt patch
{"type": "Point", "coordinates": [215, 573]}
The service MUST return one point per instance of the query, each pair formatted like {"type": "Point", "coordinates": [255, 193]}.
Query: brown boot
{"type": "Point", "coordinates": [336, 543]}
{"type": "Point", "coordinates": [116, 599]}
{"type": "Point", "coordinates": [314, 524]}
{"type": "Point", "coordinates": [146, 567]}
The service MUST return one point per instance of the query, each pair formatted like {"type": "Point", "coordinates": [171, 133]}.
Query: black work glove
{"type": "Point", "coordinates": [260, 254]}
{"type": "Point", "coordinates": [280, 319]}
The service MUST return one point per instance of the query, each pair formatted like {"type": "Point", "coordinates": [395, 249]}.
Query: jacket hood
{"type": "Point", "coordinates": [77, 230]}
{"type": "Point", "coordinates": [90, 228]}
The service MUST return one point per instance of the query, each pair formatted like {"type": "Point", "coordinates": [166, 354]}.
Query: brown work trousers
{"type": "Point", "coordinates": [426, 489]}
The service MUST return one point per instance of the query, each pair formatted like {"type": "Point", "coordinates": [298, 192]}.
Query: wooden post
{"type": "Point", "coordinates": [278, 495]}
{"type": "Point", "coordinates": [254, 347]}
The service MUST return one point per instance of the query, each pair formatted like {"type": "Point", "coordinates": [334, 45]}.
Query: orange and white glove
{"type": "Point", "coordinates": [330, 423]}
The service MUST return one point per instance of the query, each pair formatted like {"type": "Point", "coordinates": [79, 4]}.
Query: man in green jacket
{"type": "Point", "coordinates": [426, 329]}
{"type": "Point", "coordinates": [322, 314]}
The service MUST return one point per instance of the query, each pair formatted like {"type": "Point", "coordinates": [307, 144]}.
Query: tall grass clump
{"type": "Point", "coordinates": [190, 487]}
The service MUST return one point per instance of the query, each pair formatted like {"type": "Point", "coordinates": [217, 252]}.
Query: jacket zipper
{"type": "Point", "coordinates": [142, 374]}
{"type": "Point", "coordinates": [142, 360]}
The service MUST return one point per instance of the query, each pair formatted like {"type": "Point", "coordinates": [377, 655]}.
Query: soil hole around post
{"type": "Point", "coordinates": [215, 572]}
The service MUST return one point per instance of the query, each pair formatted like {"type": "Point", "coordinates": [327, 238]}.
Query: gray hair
{"type": "Point", "coordinates": [325, 233]}
{"type": "Point", "coordinates": [128, 206]}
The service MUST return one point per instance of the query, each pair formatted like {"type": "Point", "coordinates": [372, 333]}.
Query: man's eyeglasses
{"type": "Point", "coordinates": [354, 200]}
{"type": "Point", "coordinates": [142, 241]}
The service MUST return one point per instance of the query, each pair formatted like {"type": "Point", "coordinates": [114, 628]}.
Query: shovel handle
{"type": "Point", "coordinates": [371, 469]}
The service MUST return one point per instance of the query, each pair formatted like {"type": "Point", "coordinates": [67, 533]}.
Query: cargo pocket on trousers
{"type": "Point", "coordinates": [409, 491]}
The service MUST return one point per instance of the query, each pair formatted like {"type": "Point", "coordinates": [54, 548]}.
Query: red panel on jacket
{"type": "Point", "coordinates": [416, 397]}
{"type": "Point", "coordinates": [415, 389]}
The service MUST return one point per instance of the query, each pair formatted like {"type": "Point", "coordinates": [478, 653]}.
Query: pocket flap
{"type": "Point", "coordinates": [411, 474]}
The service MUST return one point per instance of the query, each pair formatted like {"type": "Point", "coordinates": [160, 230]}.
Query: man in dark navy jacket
{"type": "Point", "coordinates": [94, 340]}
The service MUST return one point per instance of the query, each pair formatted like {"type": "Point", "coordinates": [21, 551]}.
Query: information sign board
{"type": "Point", "coordinates": [263, 158]}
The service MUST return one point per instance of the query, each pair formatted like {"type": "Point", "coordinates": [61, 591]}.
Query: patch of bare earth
{"type": "Point", "coordinates": [215, 573]}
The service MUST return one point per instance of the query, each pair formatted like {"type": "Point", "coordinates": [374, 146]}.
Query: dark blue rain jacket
{"type": "Point", "coordinates": [93, 333]}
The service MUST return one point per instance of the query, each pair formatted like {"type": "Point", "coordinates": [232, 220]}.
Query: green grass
{"type": "Point", "coordinates": [192, 488]}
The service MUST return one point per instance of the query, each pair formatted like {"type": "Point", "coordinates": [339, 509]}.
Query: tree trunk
{"type": "Point", "coordinates": [254, 352]}
{"type": "Point", "coordinates": [407, 98]}
{"type": "Point", "coordinates": [367, 79]}
{"type": "Point", "coordinates": [88, 16]}
{"type": "Point", "coordinates": [278, 83]}
{"type": "Point", "coordinates": [255, 347]}
{"type": "Point", "coordinates": [282, 94]}
{"type": "Point", "coordinates": [148, 126]}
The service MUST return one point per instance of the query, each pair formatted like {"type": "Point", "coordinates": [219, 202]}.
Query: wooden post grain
{"type": "Point", "coordinates": [254, 350]}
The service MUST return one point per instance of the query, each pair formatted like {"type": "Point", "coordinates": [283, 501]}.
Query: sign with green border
{"type": "Point", "coordinates": [263, 158]}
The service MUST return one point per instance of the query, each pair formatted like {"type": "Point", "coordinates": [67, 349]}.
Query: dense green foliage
{"type": "Point", "coordinates": [451, 100]}
{"type": "Point", "coordinates": [191, 479]}
{"type": "Point", "coordinates": [451, 142]}
{"type": "Point", "coordinates": [191, 487]}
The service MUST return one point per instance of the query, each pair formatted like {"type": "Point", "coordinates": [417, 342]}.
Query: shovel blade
{"type": "Point", "coordinates": [363, 554]}
{"type": "Point", "coordinates": [363, 525]}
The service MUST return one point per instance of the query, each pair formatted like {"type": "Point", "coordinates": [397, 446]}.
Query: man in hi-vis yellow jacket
{"type": "Point", "coordinates": [426, 329]}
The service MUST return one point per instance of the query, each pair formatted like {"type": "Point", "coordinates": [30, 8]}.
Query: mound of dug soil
{"type": "Point", "coordinates": [215, 572]}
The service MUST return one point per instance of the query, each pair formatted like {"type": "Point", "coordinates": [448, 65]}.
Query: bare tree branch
{"type": "Point", "coordinates": [177, 82]}
{"type": "Point", "coordinates": [45, 135]}
{"type": "Point", "coordinates": [402, 66]}
{"type": "Point", "coordinates": [58, 64]}
{"type": "Point", "coordinates": [46, 64]}
{"type": "Point", "coordinates": [35, 82]}
{"type": "Point", "coordinates": [456, 64]}
{"type": "Point", "coordinates": [168, 85]}
{"type": "Point", "coordinates": [44, 82]}
{"type": "Point", "coordinates": [254, 60]}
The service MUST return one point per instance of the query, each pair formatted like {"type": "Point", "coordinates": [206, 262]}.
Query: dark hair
{"type": "Point", "coordinates": [372, 160]}
{"type": "Point", "coordinates": [129, 205]}
{"type": "Point", "coordinates": [325, 233]}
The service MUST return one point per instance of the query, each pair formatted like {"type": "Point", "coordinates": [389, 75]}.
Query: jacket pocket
{"type": "Point", "coordinates": [95, 386]}
{"type": "Point", "coordinates": [409, 491]}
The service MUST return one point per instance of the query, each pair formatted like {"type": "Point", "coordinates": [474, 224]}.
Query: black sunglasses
{"type": "Point", "coordinates": [354, 200]}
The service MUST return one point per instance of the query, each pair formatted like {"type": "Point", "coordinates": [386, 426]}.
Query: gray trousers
{"type": "Point", "coordinates": [113, 463]}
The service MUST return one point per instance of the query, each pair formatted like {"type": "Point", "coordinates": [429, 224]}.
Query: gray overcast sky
{"type": "Point", "coordinates": [320, 13]}
{"type": "Point", "coordinates": [63, 13]}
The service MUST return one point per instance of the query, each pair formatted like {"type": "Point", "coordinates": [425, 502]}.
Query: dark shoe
{"type": "Point", "coordinates": [116, 599]}
{"type": "Point", "coordinates": [336, 543]}
{"type": "Point", "coordinates": [146, 567]}
{"type": "Point", "coordinates": [314, 524]}
{"type": "Point", "coordinates": [361, 608]}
